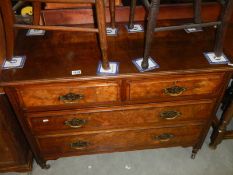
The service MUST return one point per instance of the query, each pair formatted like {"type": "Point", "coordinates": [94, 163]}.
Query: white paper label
{"type": "Point", "coordinates": [76, 72]}
{"type": "Point", "coordinates": [15, 62]}
{"type": "Point", "coordinates": [193, 30]}
{"type": "Point", "coordinates": [34, 32]}
{"type": "Point", "coordinates": [215, 59]}
{"type": "Point", "coordinates": [136, 28]}
{"type": "Point", "coordinates": [45, 120]}
{"type": "Point", "coordinates": [111, 31]}
{"type": "Point", "coordinates": [111, 70]}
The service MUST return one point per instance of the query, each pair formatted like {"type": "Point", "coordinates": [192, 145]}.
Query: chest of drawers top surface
{"type": "Point", "coordinates": [54, 56]}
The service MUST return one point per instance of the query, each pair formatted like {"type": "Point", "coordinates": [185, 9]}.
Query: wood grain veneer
{"type": "Point", "coordinates": [49, 95]}
{"type": "Point", "coordinates": [43, 123]}
{"type": "Point", "coordinates": [112, 141]}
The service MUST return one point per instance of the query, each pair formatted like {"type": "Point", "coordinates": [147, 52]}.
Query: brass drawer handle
{"type": "Point", "coordinates": [164, 137]}
{"type": "Point", "coordinates": [71, 98]}
{"type": "Point", "coordinates": [79, 144]}
{"type": "Point", "coordinates": [170, 115]}
{"type": "Point", "coordinates": [75, 123]}
{"type": "Point", "coordinates": [174, 90]}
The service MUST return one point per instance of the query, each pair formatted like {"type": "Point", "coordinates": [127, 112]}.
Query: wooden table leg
{"type": "Point", "coordinates": [222, 29]}
{"type": "Point", "coordinates": [197, 11]}
{"type": "Point", "coordinates": [131, 14]}
{"type": "Point", "coordinates": [36, 12]}
{"type": "Point", "coordinates": [8, 22]}
{"type": "Point", "coordinates": [100, 12]}
{"type": "Point", "coordinates": [218, 134]}
{"type": "Point", "coordinates": [112, 13]}
{"type": "Point", "coordinates": [2, 41]}
{"type": "Point", "coordinates": [151, 23]}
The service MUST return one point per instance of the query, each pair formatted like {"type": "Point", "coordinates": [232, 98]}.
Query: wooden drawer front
{"type": "Point", "coordinates": [114, 141]}
{"type": "Point", "coordinates": [174, 86]}
{"type": "Point", "coordinates": [70, 94]}
{"type": "Point", "coordinates": [148, 115]}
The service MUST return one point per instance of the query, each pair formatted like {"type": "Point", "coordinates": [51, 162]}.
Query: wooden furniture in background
{"type": "Point", "coordinates": [52, 15]}
{"type": "Point", "coordinates": [153, 12]}
{"type": "Point", "coordinates": [9, 24]}
{"type": "Point", "coordinates": [66, 115]}
{"type": "Point", "coordinates": [37, 9]}
{"type": "Point", "coordinates": [220, 131]}
{"type": "Point", "coordinates": [110, 12]}
{"type": "Point", "coordinates": [14, 150]}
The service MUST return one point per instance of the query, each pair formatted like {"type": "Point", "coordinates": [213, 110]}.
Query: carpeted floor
{"type": "Point", "coordinates": [164, 161]}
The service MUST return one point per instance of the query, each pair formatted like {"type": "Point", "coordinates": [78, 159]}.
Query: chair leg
{"type": "Point", "coordinates": [2, 42]}
{"type": "Point", "coordinates": [197, 11]}
{"type": "Point", "coordinates": [132, 13]}
{"type": "Point", "coordinates": [112, 13]}
{"type": "Point", "coordinates": [101, 21]}
{"type": "Point", "coordinates": [36, 12]}
{"type": "Point", "coordinates": [8, 21]}
{"type": "Point", "coordinates": [222, 28]}
{"type": "Point", "coordinates": [218, 134]}
{"type": "Point", "coordinates": [151, 23]}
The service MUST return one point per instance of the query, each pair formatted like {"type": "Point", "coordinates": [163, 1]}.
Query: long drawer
{"type": "Point", "coordinates": [174, 87]}
{"type": "Point", "coordinates": [123, 117]}
{"type": "Point", "coordinates": [120, 140]}
{"type": "Point", "coordinates": [71, 93]}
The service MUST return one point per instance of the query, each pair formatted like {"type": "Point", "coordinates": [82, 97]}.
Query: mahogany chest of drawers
{"type": "Point", "coordinates": [65, 115]}
{"type": "Point", "coordinates": [119, 114]}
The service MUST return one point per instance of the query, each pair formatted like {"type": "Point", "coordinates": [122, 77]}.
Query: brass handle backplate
{"type": "Point", "coordinates": [169, 115]}
{"type": "Point", "coordinates": [174, 90]}
{"type": "Point", "coordinates": [79, 144]}
{"type": "Point", "coordinates": [71, 98]}
{"type": "Point", "coordinates": [75, 123]}
{"type": "Point", "coordinates": [164, 137]}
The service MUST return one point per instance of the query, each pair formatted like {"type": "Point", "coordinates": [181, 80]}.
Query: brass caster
{"type": "Point", "coordinates": [45, 166]}
{"type": "Point", "coordinates": [193, 155]}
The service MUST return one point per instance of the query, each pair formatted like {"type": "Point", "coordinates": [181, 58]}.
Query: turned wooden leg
{"type": "Point", "coordinates": [222, 28]}
{"type": "Point", "coordinates": [218, 133]}
{"type": "Point", "coordinates": [197, 11]}
{"type": "Point", "coordinates": [36, 12]}
{"type": "Point", "coordinates": [43, 164]}
{"type": "Point", "coordinates": [227, 97]}
{"type": "Point", "coordinates": [2, 41]}
{"type": "Point", "coordinates": [100, 12]}
{"type": "Point", "coordinates": [151, 23]}
{"type": "Point", "coordinates": [8, 23]}
{"type": "Point", "coordinates": [112, 13]}
{"type": "Point", "coordinates": [194, 153]}
{"type": "Point", "coordinates": [131, 14]}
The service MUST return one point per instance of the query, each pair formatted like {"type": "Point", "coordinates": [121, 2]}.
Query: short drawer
{"type": "Point", "coordinates": [71, 93]}
{"type": "Point", "coordinates": [119, 140]}
{"type": "Point", "coordinates": [174, 87]}
{"type": "Point", "coordinates": [115, 118]}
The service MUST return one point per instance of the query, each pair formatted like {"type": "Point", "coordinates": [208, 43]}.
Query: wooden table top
{"type": "Point", "coordinates": [52, 57]}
